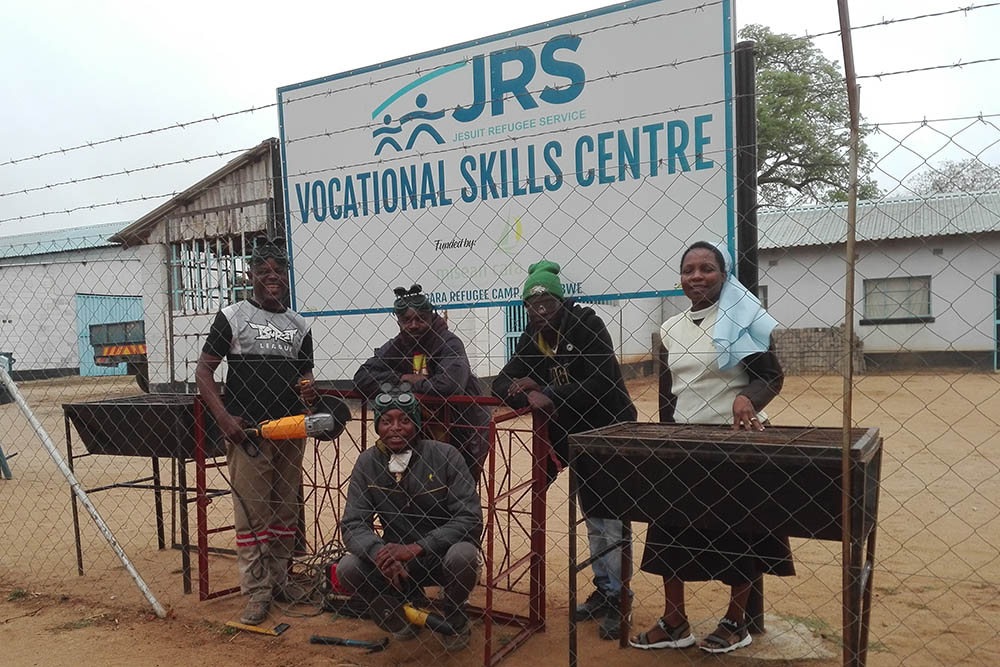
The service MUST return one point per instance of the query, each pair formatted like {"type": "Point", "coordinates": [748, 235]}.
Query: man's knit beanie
{"type": "Point", "coordinates": [543, 278]}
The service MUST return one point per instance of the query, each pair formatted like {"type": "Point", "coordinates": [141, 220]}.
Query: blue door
{"type": "Point", "coordinates": [102, 309]}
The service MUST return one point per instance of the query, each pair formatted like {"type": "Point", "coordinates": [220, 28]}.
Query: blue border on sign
{"type": "Point", "coordinates": [488, 304]}
{"type": "Point", "coordinates": [727, 64]}
{"type": "Point", "coordinates": [610, 9]}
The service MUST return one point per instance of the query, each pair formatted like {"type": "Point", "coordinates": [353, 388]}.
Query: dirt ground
{"type": "Point", "coordinates": [936, 580]}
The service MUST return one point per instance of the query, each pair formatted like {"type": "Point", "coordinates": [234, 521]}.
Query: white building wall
{"type": "Point", "coordinates": [38, 299]}
{"type": "Point", "coordinates": [805, 289]}
{"type": "Point", "coordinates": [154, 301]}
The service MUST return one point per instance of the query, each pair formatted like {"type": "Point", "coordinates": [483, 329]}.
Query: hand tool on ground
{"type": "Point", "coordinates": [423, 618]}
{"type": "Point", "coordinates": [278, 629]}
{"type": "Point", "coordinates": [372, 646]}
{"type": "Point", "coordinates": [393, 614]}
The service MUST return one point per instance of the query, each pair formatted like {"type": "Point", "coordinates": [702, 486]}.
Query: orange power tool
{"type": "Point", "coordinates": [327, 421]}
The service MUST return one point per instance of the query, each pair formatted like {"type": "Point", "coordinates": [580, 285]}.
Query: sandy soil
{"type": "Point", "coordinates": [936, 580]}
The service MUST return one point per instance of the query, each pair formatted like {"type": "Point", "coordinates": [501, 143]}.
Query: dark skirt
{"type": "Point", "coordinates": [690, 554]}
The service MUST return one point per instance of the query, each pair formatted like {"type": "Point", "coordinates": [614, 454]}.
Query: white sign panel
{"type": "Point", "coordinates": [602, 141]}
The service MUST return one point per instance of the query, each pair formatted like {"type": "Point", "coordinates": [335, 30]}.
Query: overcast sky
{"type": "Point", "coordinates": [77, 72]}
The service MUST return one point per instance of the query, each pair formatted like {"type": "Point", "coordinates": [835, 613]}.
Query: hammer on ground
{"type": "Point", "coordinates": [278, 629]}
{"type": "Point", "coordinates": [372, 646]}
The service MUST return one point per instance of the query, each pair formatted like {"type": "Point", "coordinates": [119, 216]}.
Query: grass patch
{"type": "Point", "coordinates": [17, 594]}
{"type": "Point", "coordinates": [90, 621]}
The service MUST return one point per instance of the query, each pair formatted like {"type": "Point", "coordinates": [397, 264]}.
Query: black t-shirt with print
{"type": "Point", "coordinates": [268, 351]}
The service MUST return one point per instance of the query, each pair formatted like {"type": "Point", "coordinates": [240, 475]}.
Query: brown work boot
{"type": "Point", "coordinates": [255, 612]}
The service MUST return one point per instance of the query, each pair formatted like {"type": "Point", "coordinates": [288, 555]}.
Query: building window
{"type": "Point", "coordinates": [762, 295]}
{"type": "Point", "coordinates": [210, 274]}
{"type": "Point", "coordinates": [905, 300]}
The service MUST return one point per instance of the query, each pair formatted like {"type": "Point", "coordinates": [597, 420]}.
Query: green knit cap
{"type": "Point", "coordinates": [543, 278]}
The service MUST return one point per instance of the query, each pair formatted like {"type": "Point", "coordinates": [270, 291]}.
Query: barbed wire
{"type": "Point", "coordinates": [125, 172]}
{"type": "Point", "coordinates": [500, 183]}
{"type": "Point", "coordinates": [461, 147]}
{"type": "Point", "coordinates": [957, 65]}
{"type": "Point", "coordinates": [253, 109]}
{"type": "Point", "coordinates": [330, 133]}
{"type": "Point", "coordinates": [438, 192]}
{"type": "Point", "coordinates": [365, 84]}
{"type": "Point", "coordinates": [924, 121]}
{"type": "Point", "coordinates": [85, 207]}
{"type": "Point", "coordinates": [872, 125]}
{"type": "Point", "coordinates": [425, 154]}
{"type": "Point", "coordinates": [906, 19]}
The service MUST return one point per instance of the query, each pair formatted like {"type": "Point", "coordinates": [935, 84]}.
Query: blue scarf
{"type": "Point", "coordinates": [742, 326]}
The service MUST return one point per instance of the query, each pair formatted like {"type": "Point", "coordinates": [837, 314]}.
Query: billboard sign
{"type": "Point", "coordinates": [602, 141]}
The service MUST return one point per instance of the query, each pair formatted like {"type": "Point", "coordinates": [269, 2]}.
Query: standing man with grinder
{"type": "Point", "coordinates": [269, 350]}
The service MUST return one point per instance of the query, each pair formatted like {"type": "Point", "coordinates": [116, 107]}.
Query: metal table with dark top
{"type": "Point", "coordinates": [153, 426]}
{"type": "Point", "coordinates": [784, 480]}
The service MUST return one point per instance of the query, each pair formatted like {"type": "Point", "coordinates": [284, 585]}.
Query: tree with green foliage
{"type": "Point", "coordinates": [803, 124]}
{"type": "Point", "coordinates": [969, 175]}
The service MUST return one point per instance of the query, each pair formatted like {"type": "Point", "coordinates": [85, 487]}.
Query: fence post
{"type": "Point", "coordinates": [746, 229]}
{"type": "Point", "coordinates": [746, 166]}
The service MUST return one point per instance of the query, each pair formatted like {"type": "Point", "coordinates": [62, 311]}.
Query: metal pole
{"type": "Point", "coordinates": [78, 491]}
{"type": "Point", "coordinates": [746, 166]}
{"type": "Point", "coordinates": [746, 226]}
{"type": "Point", "coordinates": [848, 613]}
{"type": "Point", "coordinates": [491, 514]}
{"type": "Point", "coordinates": [573, 490]}
{"type": "Point", "coordinates": [72, 498]}
{"type": "Point", "coordinates": [201, 498]}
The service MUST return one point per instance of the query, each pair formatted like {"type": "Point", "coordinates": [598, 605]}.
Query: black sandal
{"type": "Point", "coordinates": [720, 640]}
{"type": "Point", "coordinates": [677, 637]}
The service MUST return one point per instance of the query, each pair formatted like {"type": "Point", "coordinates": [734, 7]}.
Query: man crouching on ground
{"type": "Point", "coordinates": [431, 516]}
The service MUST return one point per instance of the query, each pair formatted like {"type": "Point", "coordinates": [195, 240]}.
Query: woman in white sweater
{"type": "Point", "coordinates": [719, 367]}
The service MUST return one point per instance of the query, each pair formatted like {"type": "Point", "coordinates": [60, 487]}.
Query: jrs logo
{"type": "Point", "coordinates": [494, 84]}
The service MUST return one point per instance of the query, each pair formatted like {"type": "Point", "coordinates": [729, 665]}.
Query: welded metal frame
{"type": "Point", "coordinates": [324, 490]}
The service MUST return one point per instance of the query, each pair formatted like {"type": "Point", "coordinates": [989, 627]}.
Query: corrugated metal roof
{"type": "Point", "coordinates": [936, 215]}
{"type": "Point", "coordinates": [59, 240]}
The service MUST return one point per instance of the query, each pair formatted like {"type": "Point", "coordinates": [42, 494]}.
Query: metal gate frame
{"type": "Point", "coordinates": [324, 492]}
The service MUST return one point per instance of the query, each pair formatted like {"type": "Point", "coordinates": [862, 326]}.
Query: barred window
{"type": "Point", "coordinates": [209, 274]}
{"type": "Point", "coordinates": [906, 298]}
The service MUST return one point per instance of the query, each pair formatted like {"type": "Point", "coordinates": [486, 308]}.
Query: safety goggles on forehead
{"type": "Point", "coordinates": [391, 395]}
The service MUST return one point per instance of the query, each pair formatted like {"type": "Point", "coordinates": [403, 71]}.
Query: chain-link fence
{"type": "Point", "coordinates": [627, 356]}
